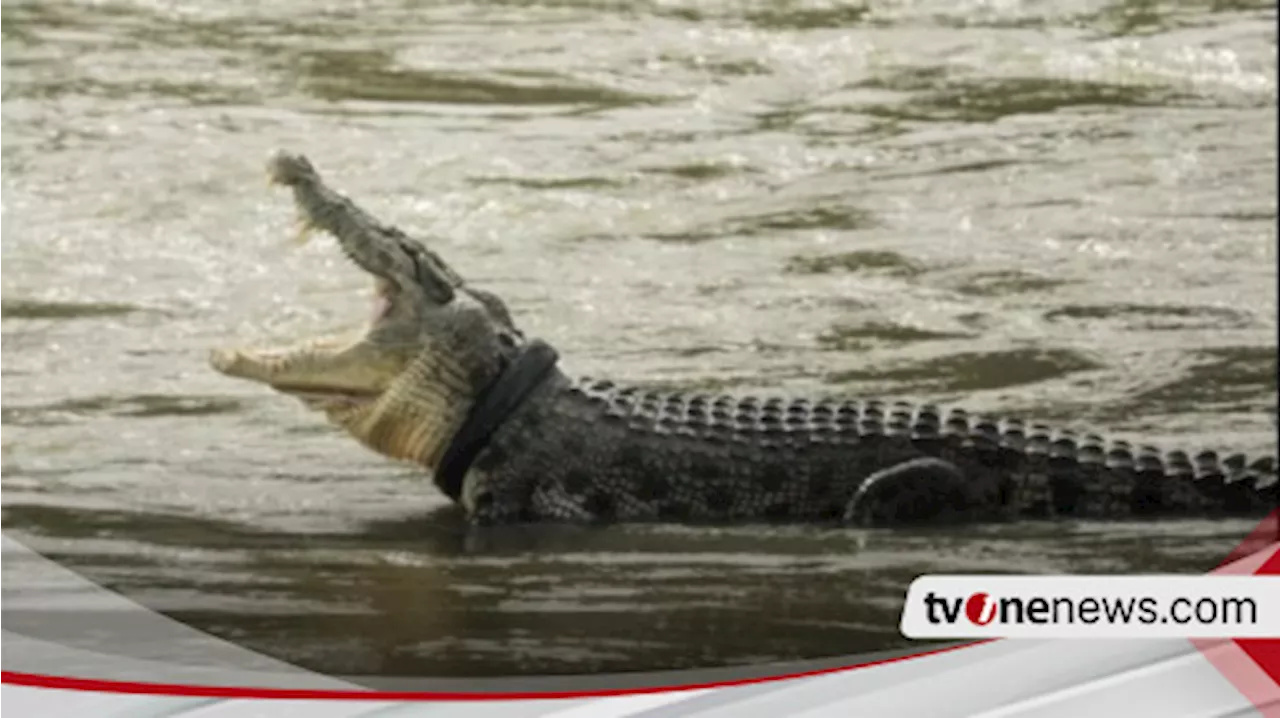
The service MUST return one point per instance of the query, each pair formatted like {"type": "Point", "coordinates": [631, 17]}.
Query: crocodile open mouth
{"type": "Point", "coordinates": [325, 371]}
{"type": "Point", "coordinates": [410, 283]}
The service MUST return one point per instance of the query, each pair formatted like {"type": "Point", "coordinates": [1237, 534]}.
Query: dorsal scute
{"type": "Point", "coordinates": [766, 420]}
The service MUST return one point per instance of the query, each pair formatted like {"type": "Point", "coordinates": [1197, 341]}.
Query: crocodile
{"type": "Point", "coordinates": [443, 378]}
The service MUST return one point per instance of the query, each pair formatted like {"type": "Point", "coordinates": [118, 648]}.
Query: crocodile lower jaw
{"type": "Point", "coordinates": [336, 395]}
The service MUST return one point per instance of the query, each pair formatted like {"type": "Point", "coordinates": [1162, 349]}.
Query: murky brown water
{"type": "Point", "coordinates": [1062, 209]}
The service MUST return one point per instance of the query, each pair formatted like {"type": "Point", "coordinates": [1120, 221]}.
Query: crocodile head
{"type": "Point", "coordinates": [403, 385]}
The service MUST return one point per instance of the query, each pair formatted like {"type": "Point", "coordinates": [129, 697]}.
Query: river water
{"type": "Point", "coordinates": [1056, 208]}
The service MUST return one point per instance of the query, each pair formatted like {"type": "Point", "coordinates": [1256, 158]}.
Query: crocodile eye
{"type": "Point", "coordinates": [506, 340]}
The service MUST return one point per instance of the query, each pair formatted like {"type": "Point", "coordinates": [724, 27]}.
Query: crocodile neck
{"type": "Point", "coordinates": [493, 406]}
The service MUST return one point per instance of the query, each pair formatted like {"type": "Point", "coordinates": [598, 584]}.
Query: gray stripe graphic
{"type": "Point", "coordinates": [65, 625]}
{"type": "Point", "coordinates": [116, 639]}
{"type": "Point", "coordinates": [724, 698]}
{"type": "Point", "coordinates": [170, 708]}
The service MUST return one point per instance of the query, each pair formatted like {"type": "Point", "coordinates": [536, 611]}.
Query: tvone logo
{"type": "Point", "coordinates": [980, 609]}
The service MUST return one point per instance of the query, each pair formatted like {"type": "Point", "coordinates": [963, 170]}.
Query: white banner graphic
{"type": "Point", "coordinates": [1092, 607]}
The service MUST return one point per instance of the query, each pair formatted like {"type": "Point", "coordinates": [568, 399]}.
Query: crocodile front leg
{"type": "Point", "coordinates": [550, 502]}
{"type": "Point", "coordinates": [545, 501]}
{"type": "Point", "coordinates": [915, 491]}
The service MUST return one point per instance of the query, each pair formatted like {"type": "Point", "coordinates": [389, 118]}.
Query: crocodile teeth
{"type": "Point", "coordinates": [381, 298]}
{"type": "Point", "coordinates": [303, 229]}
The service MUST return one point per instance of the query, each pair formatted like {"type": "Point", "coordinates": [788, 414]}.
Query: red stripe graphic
{"type": "Point", "coordinates": [1252, 665]}
{"type": "Point", "coordinates": [1265, 651]}
{"type": "Point", "coordinates": [192, 691]}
